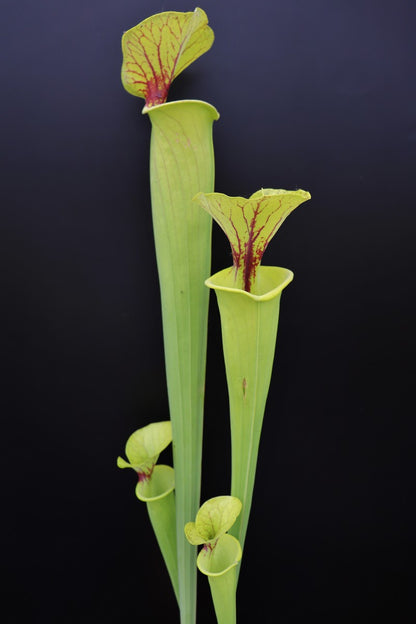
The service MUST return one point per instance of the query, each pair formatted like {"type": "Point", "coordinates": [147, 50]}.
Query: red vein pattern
{"type": "Point", "coordinates": [250, 224]}
{"type": "Point", "coordinates": [159, 48]}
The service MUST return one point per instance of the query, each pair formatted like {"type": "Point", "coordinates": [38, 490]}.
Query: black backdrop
{"type": "Point", "coordinates": [317, 94]}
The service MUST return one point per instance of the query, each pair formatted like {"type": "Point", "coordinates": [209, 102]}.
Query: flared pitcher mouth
{"type": "Point", "coordinates": [160, 484]}
{"type": "Point", "coordinates": [175, 103]}
{"type": "Point", "coordinates": [270, 281]}
{"type": "Point", "coordinates": [225, 556]}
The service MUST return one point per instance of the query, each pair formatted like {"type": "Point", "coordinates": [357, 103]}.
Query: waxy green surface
{"type": "Point", "coordinates": [181, 163]}
{"type": "Point", "coordinates": [249, 328]}
{"type": "Point", "coordinates": [158, 494]}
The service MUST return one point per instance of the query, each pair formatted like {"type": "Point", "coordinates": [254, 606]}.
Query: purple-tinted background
{"type": "Point", "coordinates": [317, 94]}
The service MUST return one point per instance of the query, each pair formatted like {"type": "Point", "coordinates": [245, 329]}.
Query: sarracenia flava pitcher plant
{"type": "Point", "coordinates": [155, 487]}
{"type": "Point", "coordinates": [181, 165]}
{"type": "Point", "coordinates": [183, 202]}
{"type": "Point", "coordinates": [249, 300]}
{"type": "Point", "coordinates": [220, 554]}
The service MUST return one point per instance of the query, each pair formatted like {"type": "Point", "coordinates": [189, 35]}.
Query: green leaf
{"type": "Point", "coordinates": [159, 48]}
{"type": "Point", "coordinates": [214, 518]}
{"type": "Point", "coordinates": [145, 445]}
{"type": "Point", "coordinates": [250, 224]}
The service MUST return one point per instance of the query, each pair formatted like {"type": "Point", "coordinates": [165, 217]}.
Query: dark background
{"type": "Point", "coordinates": [317, 94]}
